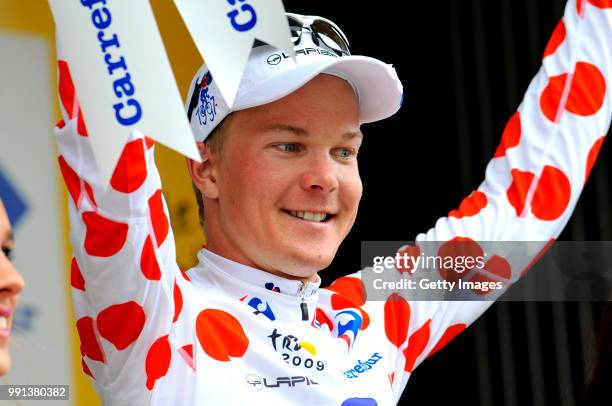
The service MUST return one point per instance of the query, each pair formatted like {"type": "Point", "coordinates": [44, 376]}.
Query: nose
{"type": "Point", "coordinates": [320, 175]}
{"type": "Point", "coordinates": [11, 281]}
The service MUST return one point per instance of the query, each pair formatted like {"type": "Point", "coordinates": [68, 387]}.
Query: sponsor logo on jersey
{"type": "Point", "coordinates": [295, 351]}
{"type": "Point", "coordinates": [348, 323]}
{"type": "Point", "coordinates": [257, 383]}
{"type": "Point", "coordinates": [260, 307]}
{"type": "Point", "coordinates": [362, 367]}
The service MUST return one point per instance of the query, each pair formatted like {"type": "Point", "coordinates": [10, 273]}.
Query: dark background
{"type": "Point", "coordinates": [465, 65]}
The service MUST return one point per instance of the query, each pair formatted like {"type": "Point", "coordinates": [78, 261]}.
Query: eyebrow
{"type": "Point", "coordinates": [300, 132]}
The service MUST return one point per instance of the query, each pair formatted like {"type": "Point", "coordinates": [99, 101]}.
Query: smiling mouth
{"type": "Point", "coordinates": [315, 217]}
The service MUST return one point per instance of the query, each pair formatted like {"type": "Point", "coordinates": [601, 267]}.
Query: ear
{"type": "Point", "coordinates": [203, 174]}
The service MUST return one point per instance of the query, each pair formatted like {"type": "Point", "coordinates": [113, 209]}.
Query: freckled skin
{"type": "Point", "coordinates": [11, 283]}
{"type": "Point", "coordinates": [262, 173]}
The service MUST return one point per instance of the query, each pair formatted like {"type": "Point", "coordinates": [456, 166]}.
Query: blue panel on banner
{"type": "Point", "coordinates": [15, 205]}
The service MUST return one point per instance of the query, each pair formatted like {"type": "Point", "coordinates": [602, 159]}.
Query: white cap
{"type": "Point", "coordinates": [271, 75]}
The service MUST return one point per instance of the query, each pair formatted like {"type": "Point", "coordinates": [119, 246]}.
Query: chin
{"type": "Point", "coordinates": [305, 265]}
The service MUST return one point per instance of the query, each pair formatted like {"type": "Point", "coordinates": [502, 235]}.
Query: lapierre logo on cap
{"type": "Point", "coordinates": [275, 59]}
{"type": "Point", "coordinates": [202, 101]}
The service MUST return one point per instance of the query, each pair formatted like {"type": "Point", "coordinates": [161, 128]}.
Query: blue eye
{"type": "Point", "coordinates": [346, 153]}
{"type": "Point", "coordinates": [289, 147]}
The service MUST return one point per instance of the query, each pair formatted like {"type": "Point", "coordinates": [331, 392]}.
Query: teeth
{"type": "Point", "coordinates": [310, 216]}
{"type": "Point", "coordinates": [3, 323]}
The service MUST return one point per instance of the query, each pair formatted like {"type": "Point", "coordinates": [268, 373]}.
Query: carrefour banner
{"type": "Point", "coordinates": [122, 75]}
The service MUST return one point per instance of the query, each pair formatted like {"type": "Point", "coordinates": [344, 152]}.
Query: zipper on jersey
{"type": "Point", "coordinates": [303, 305]}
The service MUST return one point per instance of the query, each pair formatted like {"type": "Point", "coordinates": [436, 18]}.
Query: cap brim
{"type": "Point", "coordinates": [379, 90]}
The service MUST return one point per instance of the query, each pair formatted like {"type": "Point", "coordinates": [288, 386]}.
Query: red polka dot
{"type": "Point", "coordinates": [184, 273]}
{"type": "Point", "coordinates": [61, 124]}
{"type": "Point", "coordinates": [186, 353]}
{"type": "Point", "coordinates": [149, 142]}
{"type": "Point", "coordinates": [586, 94]}
{"type": "Point", "coordinates": [220, 334]}
{"type": "Point", "coordinates": [551, 97]}
{"type": "Point", "coordinates": [81, 128]}
{"type": "Point", "coordinates": [588, 90]}
{"type": "Point", "coordinates": [397, 319]}
{"type": "Point", "coordinates": [351, 288]}
{"type": "Point", "coordinates": [580, 7]}
{"type": "Point", "coordinates": [550, 198]}
{"type": "Point", "coordinates": [178, 302]}
{"type": "Point", "coordinates": [449, 253]}
{"type": "Point", "coordinates": [511, 136]}
{"type": "Point", "coordinates": [517, 192]}
{"type": "Point", "coordinates": [592, 157]}
{"type": "Point", "coordinates": [341, 302]}
{"type": "Point", "coordinates": [601, 3]}
{"type": "Point", "coordinates": [556, 39]}
{"type": "Point", "coordinates": [76, 278]}
{"type": "Point", "coordinates": [448, 335]}
{"type": "Point", "coordinates": [552, 195]}
{"type": "Point", "coordinates": [496, 266]}
{"type": "Point", "coordinates": [104, 237]}
{"type": "Point", "coordinates": [416, 346]}
{"type": "Point", "coordinates": [158, 217]}
{"type": "Point", "coordinates": [157, 361]}
{"type": "Point", "coordinates": [188, 350]}
{"type": "Point", "coordinates": [131, 170]}
{"type": "Point", "coordinates": [74, 184]}
{"type": "Point", "coordinates": [121, 324]}
{"type": "Point", "coordinates": [86, 368]}
{"type": "Point", "coordinates": [148, 262]}
{"type": "Point", "coordinates": [322, 319]}
{"type": "Point", "coordinates": [90, 346]}
{"type": "Point", "coordinates": [68, 97]}
{"type": "Point", "coordinates": [66, 88]}
{"type": "Point", "coordinates": [90, 193]}
{"type": "Point", "coordinates": [470, 206]}
{"type": "Point", "coordinates": [499, 266]}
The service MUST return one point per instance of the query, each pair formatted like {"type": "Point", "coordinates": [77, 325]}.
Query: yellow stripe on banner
{"type": "Point", "coordinates": [33, 17]}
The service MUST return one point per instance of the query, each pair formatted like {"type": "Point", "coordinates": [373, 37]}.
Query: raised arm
{"type": "Point", "coordinates": [124, 276]}
{"type": "Point", "coordinates": [533, 182]}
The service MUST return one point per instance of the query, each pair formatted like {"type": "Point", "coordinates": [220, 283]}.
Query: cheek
{"type": "Point", "coordinates": [352, 191]}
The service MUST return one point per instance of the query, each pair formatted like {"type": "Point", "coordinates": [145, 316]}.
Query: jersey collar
{"type": "Point", "coordinates": [259, 277]}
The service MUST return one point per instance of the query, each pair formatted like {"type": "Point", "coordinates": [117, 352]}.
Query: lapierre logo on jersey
{"type": "Point", "coordinates": [362, 366]}
{"type": "Point", "coordinates": [291, 348]}
{"type": "Point", "coordinates": [257, 383]}
{"type": "Point", "coordinates": [275, 59]}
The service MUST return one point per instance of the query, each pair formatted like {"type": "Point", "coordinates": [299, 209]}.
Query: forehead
{"type": "Point", "coordinates": [325, 102]}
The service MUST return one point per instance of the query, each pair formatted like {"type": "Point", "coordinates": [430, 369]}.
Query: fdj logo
{"type": "Point", "coordinates": [291, 347]}
{"type": "Point", "coordinates": [257, 383]}
{"type": "Point", "coordinates": [348, 323]}
{"type": "Point", "coordinates": [208, 107]}
{"type": "Point", "coordinates": [246, 15]}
